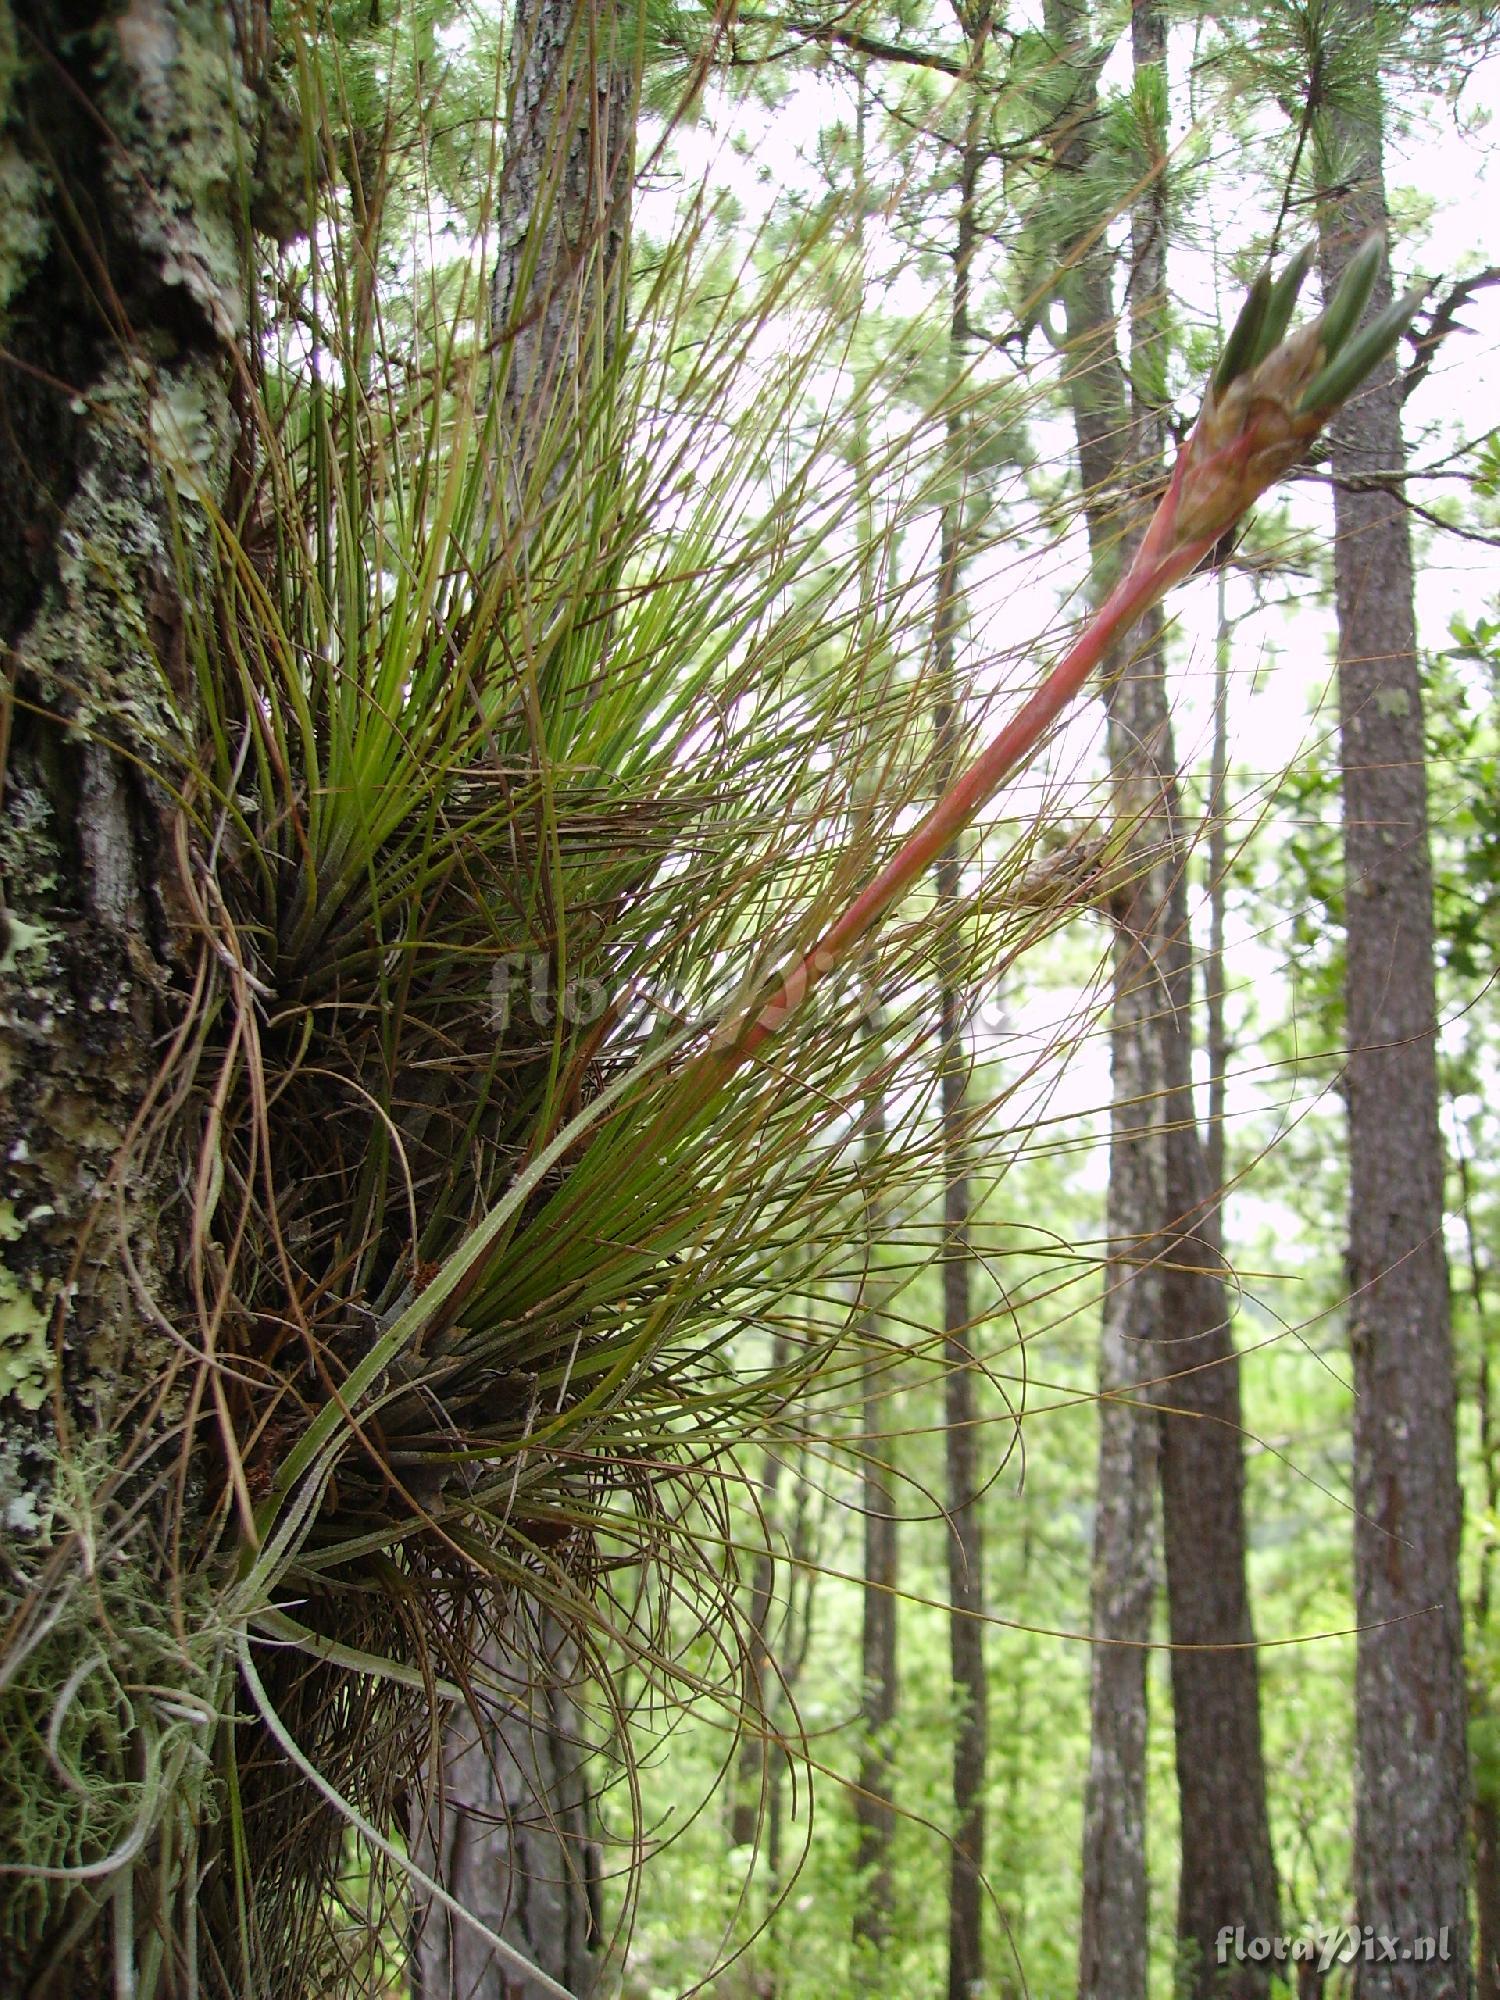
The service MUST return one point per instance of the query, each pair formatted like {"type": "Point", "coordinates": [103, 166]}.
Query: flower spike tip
{"type": "Point", "coordinates": [1271, 395]}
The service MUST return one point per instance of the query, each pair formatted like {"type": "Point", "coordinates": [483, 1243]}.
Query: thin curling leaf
{"type": "Point", "coordinates": [1283, 301]}
{"type": "Point", "coordinates": [1341, 314]}
{"type": "Point", "coordinates": [1243, 344]}
{"type": "Point", "coordinates": [1339, 378]}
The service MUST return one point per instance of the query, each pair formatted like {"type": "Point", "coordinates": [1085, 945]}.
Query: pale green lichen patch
{"type": "Point", "coordinates": [183, 112]}
{"type": "Point", "coordinates": [20, 938]}
{"type": "Point", "coordinates": [93, 648]}
{"type": "Point", "coordinates": [25, 1351]}
{"type": "Point", "coordinates": [185, 437]}
{"type": "Point", "coordinates": [28, 846]}
{"type": "Point", "coordinates": [26, 1483]}
{"type": "Point", "coordinates": [121, 1684]}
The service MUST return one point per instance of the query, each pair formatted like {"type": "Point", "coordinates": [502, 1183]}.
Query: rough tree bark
{"type": "Point", "coordinates": [557, 289]}
{"type": "Point", "coordinates": [121, 306]}
{"type": "Point", "coordinates": [121, 303]}
{"type": "Point", "coordinates": [1215, 1033]}
{"type": "Point", "coordinates": [960, 1411]}
{"type": "Point", "coordinates": [874, 1806]}
{"type": "Point", "coordinates": [1410, 1721]}
{"type": "Point", "coordinates": [509, 1832]}
{"type": "Point", "coordinates": [756, 1762]}
{"type": "Point", "coordinates": [1113, 1941]}
{"type": "Point", "coordinates": [1483, 1776]}
{"type": "Point", "coordinates": [1227, 1871]}
{"type": "Point", "coordinates": [1166, 1310]}
{"type": "Point", "coordinates": [509, 1825]}
{"type": "Point", "coordinates": [874, 1800]}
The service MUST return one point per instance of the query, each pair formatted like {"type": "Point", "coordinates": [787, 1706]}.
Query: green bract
{"type": "Point", "coordinates": [1283, 302]}
{"type": "Point", "coordinates": [1342, 374]}
{"type": "Point", "coordinates": [1342, 356]}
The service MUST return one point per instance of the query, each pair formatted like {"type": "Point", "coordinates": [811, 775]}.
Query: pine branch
{"type": "Point", "coordinates": [1395, 484]}
{"type": "Point", "coordinates": [1443, 321]}
{"type": "Point", "coordinates": [858, 43]}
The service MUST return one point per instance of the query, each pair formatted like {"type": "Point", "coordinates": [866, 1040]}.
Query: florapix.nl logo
{"type": "Point", "coordinates": [1326, 1946]}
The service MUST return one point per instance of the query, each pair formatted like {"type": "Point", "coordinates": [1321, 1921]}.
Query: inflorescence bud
{"type": "Point", "coordinates": [1271, 395]}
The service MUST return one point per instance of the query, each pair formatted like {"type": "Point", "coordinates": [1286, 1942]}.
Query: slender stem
{"type": "Point", "coordinates": [1161, 560]}
{"type": "Point", "coordinates": [1152, 573]}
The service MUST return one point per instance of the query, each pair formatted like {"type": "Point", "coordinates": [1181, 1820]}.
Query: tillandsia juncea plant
{"type": "Point", "coordinates": [1269, 397]}
{"type": "Point", "coordinates": [614, 1166]}
{"type": "Point", "coordinates": [460, 1301]}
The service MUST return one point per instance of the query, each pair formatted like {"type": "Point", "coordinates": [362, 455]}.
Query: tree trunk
{"type": "Point", "coordinates": [509, 1828]}
{"type": "Point", "coordinates": [1215, 1034]}
{"type": "Point", "coordinates": [509, 1832]}
{"type": "Point", "coordinates": [874, 1803]}
{"type": "Point", "coordinates": [874, 1808]}
{"type": "Point", "coordinates": [122, 290]}
{"type": "Point", "coordinates": [1482, 1773]}
{"type": "Point", "coordinates": [1410, 1725]}
{"type": "Point", "coordinates": [756, 1763]}
{"type": "Point", "coordinates": [965, 1526]}
{"type": "Point", "coordinates": [1227, 1873]}
{"type": "Point", "coordinates": [961, 1416]}
{"type": "Point", "coordinates": [557, 290]}
{"type": "Point", "coordinates": [1166, 1309]}
{"type": "Point", "coordinates": [1113, 1939]}
{"type": "Point", "coordinates": [754, 1820]}
{"type": "Point", "coordinates": [121, 299]}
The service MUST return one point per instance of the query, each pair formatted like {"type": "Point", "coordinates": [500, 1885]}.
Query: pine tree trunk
{"type": "Point", "coordinates": [509, 1835]}
{"type": "Point", "coordinates": [1227, 1876]}
{"type": "Point", "coordinates": [557, 289]}
{"type": "Point", "coordinates": [756, 1767]}
{"type": "Point", "coordinates": [880, 1689]}
{"type": "Point", "coordinates": [122, 293]}
{"type": "Point", "coordinates": [964, 1485]}
{"type": "Point", "coordinates": [1215, 1034]}
{"type": "Point", "coordinates": [960, 1403]}
{"type": "Point", "coordinates": [1227, 1873]}
{"type": "Point", "coordinates": [1486, 1791]}
{"type": "Point", "coordinates": [1166, 1311]}
{"type": "Point", "coordinates": [1410, 1720]}
{"type": "Point", "coordinates": [874, 1807]}
{"type": "Point", "coordinates": [509, 1829]}
{"type": "Point", "coordinates": [1113, 1938]}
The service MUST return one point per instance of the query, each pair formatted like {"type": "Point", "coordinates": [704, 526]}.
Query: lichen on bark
{"type": "Point", "coordinates": [122, 299]}
{"type": "Point", "coordinates": [93, 945]}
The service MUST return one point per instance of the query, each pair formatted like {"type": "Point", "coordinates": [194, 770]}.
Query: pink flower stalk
{"type": "Point", "coordinates": [1269, 398]}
